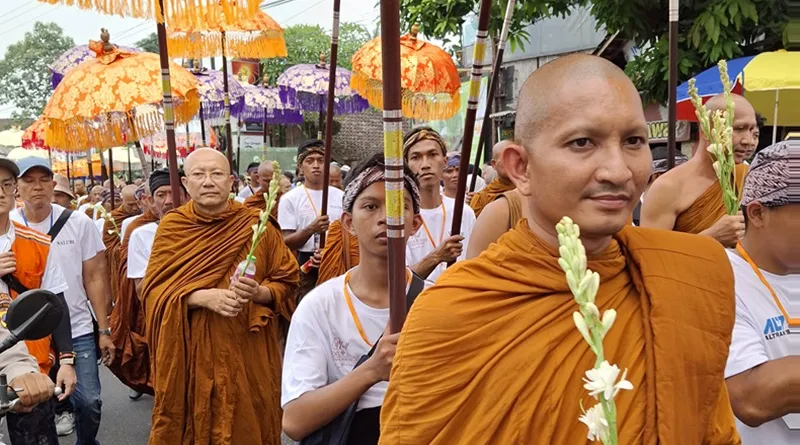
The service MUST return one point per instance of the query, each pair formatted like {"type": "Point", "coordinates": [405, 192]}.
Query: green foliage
{"type": "Point", "coordinates": [149, 43]}
{"type": "Point", "coordinates": [305, 43]}
{"type": "Point", "coordinates": [24, 74]}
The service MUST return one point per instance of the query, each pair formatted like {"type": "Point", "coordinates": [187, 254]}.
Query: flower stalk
{"type": "Point", "coordinates": [717, 128]}
{"type": "Point", "coordinates": [602, 380]}
{"type": "Point", "coordinates": [107, 216]}
{"type": "Point", "coordinates": [258, 229]}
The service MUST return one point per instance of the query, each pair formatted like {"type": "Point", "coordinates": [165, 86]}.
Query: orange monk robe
{"type": "Point", "coordinates": [216, 379]}
{"type": "Point", "coordinates": [131, 363]}
{"type": "Point", "coordinates": [489, 194]}
{"type": "Point", "coordinates": [336, 258]}
{"type": "Point", "coordinates": [709, 207]}
{"type": "Point", "coordinates": [112, 241]}
{"type": "Point", "coordinates": [491, 354]}
{"type": "Point", "coordinates": [257, 201]}
{"type": "Point", "coordinates": [89, 212]}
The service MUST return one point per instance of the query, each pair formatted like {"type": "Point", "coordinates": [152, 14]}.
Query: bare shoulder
{"type": "Point", "coordinates": [490, 225]}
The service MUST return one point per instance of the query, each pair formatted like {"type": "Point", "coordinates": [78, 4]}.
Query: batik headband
{"type": "Point", "coordinates": [310, 147]}
{"type": "Point", "coordinates": [139, 192]}
{"type": "Point", "coordinates": [767, 182]}
{"type": "Point", "coordinates": [423, 134]}
{"type": "Point", "coordinates": [453, 159]}
{"type": "Point", "coordinates": [371, 176]}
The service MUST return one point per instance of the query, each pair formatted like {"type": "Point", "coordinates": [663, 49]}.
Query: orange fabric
{"type": "Point", "coordinates": [216, 379]}
{"type": "Point", "coordinates": [257, 202]}
{"type": "Point", "coordinates": [30, 250]}
{"type": "Point", "coordinates": [112, 243]}
{"type": "Point", "coordinates": [491, 355]}
{"type": "Point", "coordinates": [333, 255]}
{"type": "Point", "coordinates": [489, 194]}
{"type": "Point", "coordinates": [131, 362]}
{"type": "Point", "coordinates": [709, 207]}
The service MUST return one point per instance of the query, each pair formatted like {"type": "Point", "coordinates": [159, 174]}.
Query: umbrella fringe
{"type": "Point", "coordinates": [251, 45]}
{"type": "Point", "coordinates": [421, 106]}
{"type": "Point", "coordinates": [147, 9]}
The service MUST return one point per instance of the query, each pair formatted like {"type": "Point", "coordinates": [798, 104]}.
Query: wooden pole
{"type": "Point", "coordinates": [326, 167]}
{"type": "Point", "coordinates": [69, 160]}
{"type": "Point", "coordinates": [238, 145]}
{"type": "Point", "coordinates": [203, 128]}
{"type": "Point", "coordinates": [264, 144]}
{"type": "Point", "coordinates": [227, 102]}
{"type": "Point", "coordinates": [393, 152]}
{"type": "Point", "coordinates": [169, 112]}
{"type": "Point", "coordinates": [672, 123]}
{"type": "Point", "coordinates": [485, 136]}
{"type": "Point", "coordinates": [111, 183]}
{"type": "Point", "coordinates": [472, 110]}
{"type": "Point", "coordinates": [89, 166]}
{"type": "Point", "coordinates": [130, 167]}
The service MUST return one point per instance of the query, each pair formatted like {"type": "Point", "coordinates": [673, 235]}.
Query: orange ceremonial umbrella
{"type": "Point", "coordinates": [144, 9]}
{"type": "Point", "coordinates": [431, 88]}
{"type": "Point", "coordinates": [108, 101]}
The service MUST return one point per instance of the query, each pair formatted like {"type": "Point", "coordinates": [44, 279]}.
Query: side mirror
{"type": "Point", "coordinates": [33, 315]}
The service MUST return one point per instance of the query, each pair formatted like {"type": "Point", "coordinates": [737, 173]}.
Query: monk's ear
{"type": "Point", "coordinates": [347, 223]}
{"type": "Point", "coordinates": [515, 159]}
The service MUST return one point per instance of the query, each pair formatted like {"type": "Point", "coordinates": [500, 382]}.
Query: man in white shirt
{"type": "Point", "coordinates": [251, 188]}
{"type": "Point", "coordinates": [79, 251]}
{"type": "Point", "coordinates": [300, 211]}
{"type": "Point", "coordinates": [763, 370]}
{"type": "Point", "coordinates": [432, 247]}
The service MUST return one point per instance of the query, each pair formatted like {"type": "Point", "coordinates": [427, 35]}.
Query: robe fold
{"type": "Point", "coordinates": [216, 379]}
{"type": "Point", "coordinates": [336, 257]}
{"type": "Point", "coordinates": [514, 200]}
{"type": "Point", "coordinates": [490, 355]}
{"type": "Point", "coordinates": [257, 202]}
{"type": "Point", "coordinates": [489, 194]}
{"type": "Point", "coordinates": [709, 208]}
{"type": "Point", "coordinates": [131, 363]}
{"type": "Point", "coordinates": [112, 243]}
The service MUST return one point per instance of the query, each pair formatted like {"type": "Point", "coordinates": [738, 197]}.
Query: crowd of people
{"type": "Point", "coordinates": [489, 353]}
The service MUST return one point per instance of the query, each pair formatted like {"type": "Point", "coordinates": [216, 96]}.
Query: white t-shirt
{"type": "Point", "coordinates": [125, 223]}
{"type": "Point", "coordinates": [248, 191]}
{"type": "Point", "coordinates": [99, 224]}
{"type": "Point", "coordinates": [77, 242]}
{"type": "Point", "coordinates": [420, 245]}
{"type": "Point", "coordinates": [762, 333]}
{"type": "Point", "coordinates": [480, 184]}
{"type": "Point", "coordinates": [140, 245]}
{"type": "Point", "coordinates": [297, 211]}
{"type": "Point", "coordinates": [324, 345]}
{"type": "Point", "coordinates": [52, 280]}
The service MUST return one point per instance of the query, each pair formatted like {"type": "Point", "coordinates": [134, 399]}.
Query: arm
{"type": "Point", "coordinates": [658, 209]}
{"type": "Point", "coordinates": [62, 336]}
{"type": "Point", "coordinates": [95, 280]}
{"type": "Point", "coordinates": [425, 267]}
{"type": "Point", "coordinates": [295, 239]}
{"type": "Point", "coordinates": [767, 392]}
{"type": "Point", "coordinates": [490, 226]}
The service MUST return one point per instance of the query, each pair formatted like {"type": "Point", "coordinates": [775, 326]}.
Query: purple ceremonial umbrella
{"type": "Point", "coordinates": [74, 57]}
{"type": "Point", "coordinates": [308, 85]}
{"type": "Point", "coordinates": [212, 96]}
{"type": "Point", "coordinates": [265, 104]}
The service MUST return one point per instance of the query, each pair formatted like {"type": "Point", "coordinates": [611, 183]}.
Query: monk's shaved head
{"type": "Point", "coordinates": [745, 124]}
{"type": "Point", "coordinates": [544, 89]}
{"type": "Point", "coordinates": [335, 179]}
{"type": "Point", "coordinates": [497, 161]}
{"type": "Point", "coordinates": [741, 104]}
{"type": "Point", "coordinates": [266, 168]}
{"type": "Point", "coordinates": [129, 203]}
{"type": "Point", "coordinates": [129, 192]}
{"type": "Point", "coordinates": [203, 155]}
{"type": "Point", "coordinates": [265, 174]}
{"type": "Point", "coordinates": [208, 180]}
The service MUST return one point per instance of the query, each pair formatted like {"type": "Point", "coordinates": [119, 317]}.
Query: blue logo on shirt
{"type": "Point", "coordinates": [775, 327]}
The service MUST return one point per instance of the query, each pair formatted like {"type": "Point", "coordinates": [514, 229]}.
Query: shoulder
{"type": "Point", "coordinates": [333, 191]}
{"type": "Point", "coordinates": [320, 300]}
{"type": "Point", "coordinates": [21, 231]}
{"type": "Point", "coordinates": [143, 231]}
{"type": "Point", "coordinates": [293, 193]}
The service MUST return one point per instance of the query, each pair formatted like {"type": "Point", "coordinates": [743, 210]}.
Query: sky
{"type": "Point", "coordinates": [18, 17]}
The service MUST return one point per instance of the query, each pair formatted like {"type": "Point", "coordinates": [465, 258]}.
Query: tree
{"type": "Point", "coordinates": [149, 43]}
{"type": "Point", "coordinates": [304, 44]}
{"type": "Point", "coordinates": [24, 74]}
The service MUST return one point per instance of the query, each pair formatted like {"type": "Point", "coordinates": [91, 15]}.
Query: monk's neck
{"type": "Point", "coordinates": [311, 186]}
{"type": "Point", "coordinates": [703, 161]}
{"type": "Point", "coordinates": [37, 214]}
{"type": "Point", "coordinates": [430, 198]}
{"type": "Point", "coordinates": [503, 180]}
{"type": "Point", "coordinates": [212, 210]}
{"type": "Point", "coordinates": [759, 252]}
{"type": "Point", "coordinates": [370, 281]}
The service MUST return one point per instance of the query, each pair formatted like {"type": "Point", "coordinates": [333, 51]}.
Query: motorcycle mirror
{"type": "Point", "coordinates": [33, 315]}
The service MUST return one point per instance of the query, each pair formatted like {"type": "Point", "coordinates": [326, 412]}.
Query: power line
{"type": "Point", "coordinates": [285, 22]}
{"type": "Point", "coordinates": [127, 33]}
{"type": "Point", "coordinates": [29, 21]}
{"type": "Point", "coordinates": [21, 13]}
{"type": "Point", "coordinates": [18, 8]}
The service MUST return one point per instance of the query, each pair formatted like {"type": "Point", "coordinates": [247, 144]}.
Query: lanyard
{"type": "Point", "coordinates": [441, 234]}
{"type": "Point", "coordinates": [25, 220]}
{"type": "Point", "coordinates": [353, 313]}
{"type": "Point", "coordinates": [311, 201]}
{"type": "Point", "coordinates": [743, 253]}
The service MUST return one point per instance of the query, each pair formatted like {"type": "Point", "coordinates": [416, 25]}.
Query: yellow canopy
{"type": "Point", "coordinates": [774, 76]}
{"type": "Point", "coordinates": [150, 9]}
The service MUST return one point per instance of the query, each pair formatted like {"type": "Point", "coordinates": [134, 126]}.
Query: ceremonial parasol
{"type": "Point", "coordinates": [263, 104]}
{"type": "Point", "coordinates": [73, 57]}
{"type": "Point", "coordinates": [764, 80]}
{"type": "Point", "coordinates": [307, 84]}
{"type": "Point", "coordinates": [211, 87]}
{"type": "Point", "coordinates": [11, 137]}
{"type": "Point", "coordinates": [158, 9]}
{"type": "Point", "coordinates": [33, 137]}
{"type": "Point", "coordinates": [156, 146]}
{"type": "Point", "coordinates": [429, 79]}
{"type": "Point", "coordinates": [226, 33]}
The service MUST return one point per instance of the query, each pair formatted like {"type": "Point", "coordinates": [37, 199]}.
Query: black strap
{"type": "Point", "coordinates": [14, 284]}
{"type": "Point", "coordinates": [60, 222]}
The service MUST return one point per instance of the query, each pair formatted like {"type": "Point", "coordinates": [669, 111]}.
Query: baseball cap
{"type": "Point", "coordinates": [10, 165]}
{"type": "Point", "coordinates": [62, 185]}
{"type": "Point", "coordinates": [31, 162]}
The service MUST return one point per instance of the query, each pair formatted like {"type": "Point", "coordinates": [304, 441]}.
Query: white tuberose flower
{"type": "Point", "coordinates": [595, 420]}
{"type": "Point", "coordinates": [603, 380]}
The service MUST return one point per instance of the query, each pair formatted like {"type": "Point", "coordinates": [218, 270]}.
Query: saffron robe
{"type": "Point", "coordinates": [340, 253]}
{"type": "Point", "coordinates": [489, 194]}
{"type": "Point", "coordinates": [709, 208]}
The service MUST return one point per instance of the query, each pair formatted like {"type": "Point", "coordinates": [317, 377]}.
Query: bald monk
{"type": "Point", "coordinates": [265, 174]}
{"type": "Point", "coordinates": [335, 178]}
{"type": "Point", "coordinates": [490, 354]}
{"type": "Point", "coordinates": [95, 197]}
{"type": "Point", "coordinates": [688, 198]}
{"type": "Point", "coordinates": [500, 185]}
{"type": "Point", "coordinates": [112, 233]}
{"type": "Point", "coordinates": [215, 358]}
{"type": "Point", "coordinates": [497, 218]}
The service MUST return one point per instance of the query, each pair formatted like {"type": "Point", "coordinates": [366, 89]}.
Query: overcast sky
{"type": "Point", "coordinates": [18, 16]}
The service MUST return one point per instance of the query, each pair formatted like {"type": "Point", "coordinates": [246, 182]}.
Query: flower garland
{"type": "Point", "coordinates": [261, 227]}
{"type": "Point", "coordinates": [107, 216]}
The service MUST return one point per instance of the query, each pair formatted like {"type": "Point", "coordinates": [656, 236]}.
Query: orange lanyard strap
{"type": "Point", "coordinates": [743, 253]}
{"type": "Point", "coordinates": [441, 234]}
{"type": "Point", "coordinates": [353, 313]}
{"type": "Point", "coordinates": [311, 201]}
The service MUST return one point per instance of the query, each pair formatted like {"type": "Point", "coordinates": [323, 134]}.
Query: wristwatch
{"type": "Point", "coordinates": [106, 331]}
{"type": "Point", "coordinates": [66, 358]}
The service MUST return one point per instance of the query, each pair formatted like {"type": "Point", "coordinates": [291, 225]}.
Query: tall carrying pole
{"type": "Point", "coordinates": [203, 128]}
{"type": "Point", "coordinates": [393, 152]}
{"type": "Point", "coordinates": [326, 167]}
{"type": "Point", "coordinates": [111, 182]}
{"type": "Point", "coordinates": [130, 168]}
{"type": "Point", "coordinates": [487, 120]}
{"type": "Point", "coordinates": [472, 110]}
{"type": "Point", "coordinates": [169, 112]}
{"type": "Point", "coordinates": [265, 84]}
{"type": "Point", "coordinates": [673, 83]}
{"type": "Point", "coordinates": [227, 103]}
{"type": "Point", "coordinates": [89, 166]}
